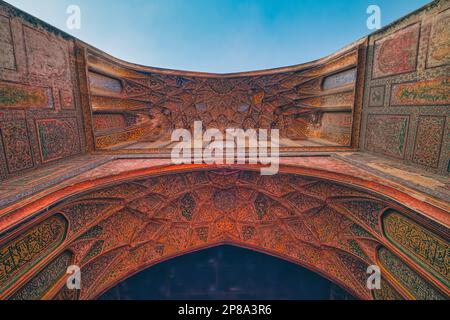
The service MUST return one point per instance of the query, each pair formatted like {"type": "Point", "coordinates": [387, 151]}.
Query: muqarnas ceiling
{"type": "Point", "coordinates": [313, 105]}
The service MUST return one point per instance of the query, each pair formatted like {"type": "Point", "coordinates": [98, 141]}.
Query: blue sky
{"type": "Point", "coordinates": [218, 35]}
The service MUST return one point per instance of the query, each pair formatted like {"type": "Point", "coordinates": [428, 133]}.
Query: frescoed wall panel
{"type": "Point", "coordinates": [53, 138]}
{"type": "Point", "coordinates": [16, 145]}
{"type": "Point", "coordinates": [439, 46]}
{"type": "Point", "coordinates": [429, 139]}
{"type": "Point", "coordinates": [45, 279]}
{"type": "Point", "coordinates": [429, 92]}
{"type": "Point", "coordinates": [387, 134]}
{"type": "Point", "coordinates": [414, 283]}
{"type": "Point", "coordinates": [407, 76]}
{"type": "Point", "coordinates": [25, 97]}
{"type": "Point", "coordinates": [420, 243]}
{"type": "Point", "coordinates": [397, 53]}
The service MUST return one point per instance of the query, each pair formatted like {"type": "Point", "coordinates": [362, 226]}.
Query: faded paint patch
{"type": "Point", "coordinates": [407, 175]}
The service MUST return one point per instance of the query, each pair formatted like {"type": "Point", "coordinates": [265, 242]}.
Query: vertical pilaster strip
{"type": "Point", "coordinates": [83, 83]}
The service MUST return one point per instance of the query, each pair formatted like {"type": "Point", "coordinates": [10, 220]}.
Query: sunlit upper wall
{"type": "Point", "coordinates": [40, 110]}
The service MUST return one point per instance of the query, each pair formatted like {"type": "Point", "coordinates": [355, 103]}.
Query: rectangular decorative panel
{"type": "Point", "coordinates": [376, 97]}
{"type": "Point", "coordinates": [25, 97]}
{"type": "Point", "coordinates": [439, 47]}
{"type": "Point", "coordinates": [397, 53]}
{"type": "Point", "coordinates": [340, 79]}
{"type": "Point", "coordinates": [345, 99]}
{"type": "Point", "coordinates": [7, 59]}
{"type": "Point", "coordinates": [335, 128]}
{"type": "Point", "coordinates": [58, 138]}
{"type": "Point", "coordinates": [36, 288]}
{"type": "Point", "coordinates": [429, 92]}
{"type": "Point", "coordinates": [16, 145]}
{"type": "Point", "coordinates": [427, 149]}
{"type": "Point", "coordinates": [100, 83]}
{"type": "Point", "coordinates": [46, 55]}
{"type": "Point", "coordinates": [387, 134]}
{"type": "Point", "coordinates": [66, 98]}
{"type": "Point", "coordinates": [104, 122]}
{"type": "Point", "coordinates": [418, 242]}
{"type": "Point", "coordinates": [20, 254]}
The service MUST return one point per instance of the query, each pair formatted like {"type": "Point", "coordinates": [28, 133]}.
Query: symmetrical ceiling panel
{"type": "Point", "coordinates": [313, 105]}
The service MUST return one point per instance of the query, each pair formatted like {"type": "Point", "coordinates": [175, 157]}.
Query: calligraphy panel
{"type": "Point", "coordinates": [20, 254]}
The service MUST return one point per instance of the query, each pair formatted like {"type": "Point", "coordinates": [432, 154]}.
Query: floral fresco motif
{"type": "Point", "coordinates": [53, 140]}
{"type": "Point", "coordinates": [387, 134]}
{"type": "Point", "coordinates": [397, 53]}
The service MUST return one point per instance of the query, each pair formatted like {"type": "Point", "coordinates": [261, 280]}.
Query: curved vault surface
{"type": "Point", "coordinates": [77, 185]}
{"type": "Point", "coordinates": [333, 229]}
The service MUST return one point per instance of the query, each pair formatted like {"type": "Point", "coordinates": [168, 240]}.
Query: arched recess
{"type": "Point", "coordinates": [124, 226]}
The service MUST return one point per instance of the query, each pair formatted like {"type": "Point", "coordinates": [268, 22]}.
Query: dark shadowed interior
{"type": "Point", "coordinates": [226, 273]}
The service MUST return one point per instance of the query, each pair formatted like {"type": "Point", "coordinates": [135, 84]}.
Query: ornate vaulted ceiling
{"type": "Point", "coordinates": [120, 229]}
{"type": "Point", "coordinates": [364, 173]}
{"type": "Point", "coordinates": [315, 106]}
